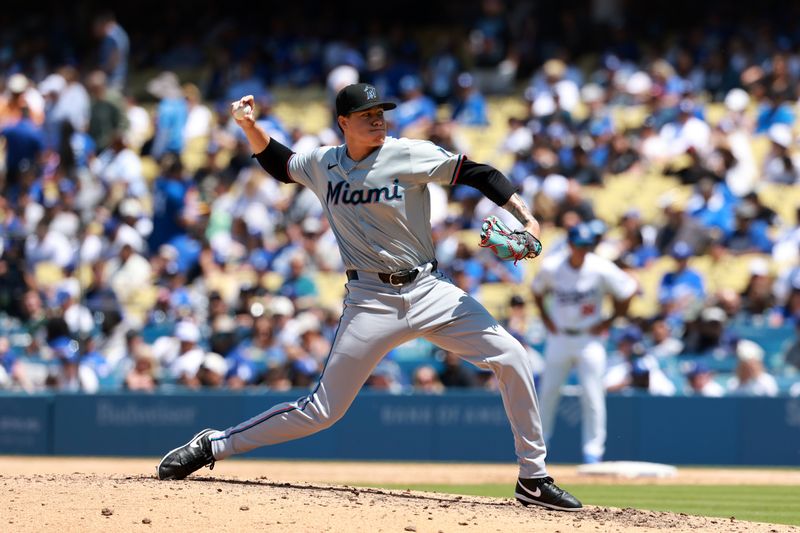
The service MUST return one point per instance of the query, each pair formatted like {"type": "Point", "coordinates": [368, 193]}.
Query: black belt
{"type": "Point", "coordinates": [398, 278]}
{"type": "Point", "coordinates": [573, 332]}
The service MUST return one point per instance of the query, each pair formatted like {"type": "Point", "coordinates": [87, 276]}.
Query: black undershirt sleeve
{"type": "Point", "coordinates": [275, 160]}
{"type": "Point", "coordinates": [486, 179]}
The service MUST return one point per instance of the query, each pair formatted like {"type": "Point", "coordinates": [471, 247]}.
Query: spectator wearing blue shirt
{"type": "Point", "coordinates": [416, 110]}
{"type": "Point", "coordinates": [464, 277]}
{"type": "Point", "coordinates": [24, 145]}
{"type": "Point", "coordinates": [252, 357]}
{"type": "Point", "coordinates": [442, 68]}
{"type": "Point", "coordinates": [474, 266]}
{"type": "Point", "coordinates": [681, 290]}
{"type": "Point", "coordinates": [496, 271]}
{"type": "Point", "coordinates": [773, 110]}
{"type": "Point", "coordinates": [639, 251]}
{"type": "Point", "coordinates": [298, 284]}
{"type": "Point", "coordinates": [189, 248]}
{"type": "Point", "coordinates": [12, 371]}
{"type": "Point", "coordinates": [711, 205]}
{"type": "Point", "coordinates": [171, 114]}
{"type": "Point", "coordinates": [700, 381]}
{"type": "Point", "coordinates": [99, 364]}
{"type": "Point", "coordinates": [259, 254]}
{"type": "Point", "coordinates": [469, 107]}
{"type": "Point", "coordinates": [749, 234]}
{"type": "Point", "coordinates": [599, 123]}
{"type": "Point", "coordinates": [169, 197]}
{"type": "Point", "coordinates": [384, 71]}
{"type": "Point", "coordinates": [50, 88]}
{"type": "Point", "coordinates": [83, 148]}
{"type": "Point", "coordinates": [632, 367]}
{"type": "Point", "coordinates": [114, 49]}
{"type": "Point", "coordinates": [246, 82]}
{"type": "Point", "coordinates": [73, 374]}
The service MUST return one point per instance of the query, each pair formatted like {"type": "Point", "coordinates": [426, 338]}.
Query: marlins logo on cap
{"type": "Point", "coordinates": [359, 97]}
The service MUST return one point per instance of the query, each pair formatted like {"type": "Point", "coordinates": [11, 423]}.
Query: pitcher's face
{"type": "Point", "coordinates": [364, 128]}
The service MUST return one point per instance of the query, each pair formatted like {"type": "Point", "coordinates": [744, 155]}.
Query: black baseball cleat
{"type": "Point", "coordinates": [188, 458]}
{"type": "Point", "coordinates": [542, 491]}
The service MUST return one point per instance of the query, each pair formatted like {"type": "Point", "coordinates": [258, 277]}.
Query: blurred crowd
{"type": "Point", "coordinates": [127, 264]}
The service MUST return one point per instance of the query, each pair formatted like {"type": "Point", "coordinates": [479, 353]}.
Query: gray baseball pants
{"type": "Point", "coordinates": [378, 317]}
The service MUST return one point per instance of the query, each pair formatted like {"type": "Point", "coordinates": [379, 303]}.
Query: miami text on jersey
{"type": "Point", "coordinates": [361, 196]}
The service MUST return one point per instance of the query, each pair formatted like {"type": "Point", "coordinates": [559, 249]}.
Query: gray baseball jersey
{"type": "Point", "coordinates": [378, 208]}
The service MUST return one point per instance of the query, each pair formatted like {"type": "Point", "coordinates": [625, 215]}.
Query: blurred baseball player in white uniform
{"type": "Point", "coordinates": [569, 291]}
{"type": "Point", "coordinates": [374, 192]}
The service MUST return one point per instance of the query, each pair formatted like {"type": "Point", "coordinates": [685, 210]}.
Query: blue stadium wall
{"type": "Point", "coordinates": [453, 427]}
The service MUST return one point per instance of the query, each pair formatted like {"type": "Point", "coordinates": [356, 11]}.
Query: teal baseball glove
{"type": "Point", "coordinates": [508, 245]}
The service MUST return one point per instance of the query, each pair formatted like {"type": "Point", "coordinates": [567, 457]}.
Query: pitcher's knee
{"type": "Point", "coordinates": [515, 350]}
{"type": "Point", "coordinates": [513, 355]}
{"type": "Point", "coordinates": [326, 416]}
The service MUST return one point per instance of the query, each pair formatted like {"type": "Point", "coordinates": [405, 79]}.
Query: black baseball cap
{"type": "Point", "coordinates": [358, 97]}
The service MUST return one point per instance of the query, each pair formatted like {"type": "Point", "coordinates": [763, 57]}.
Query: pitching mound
{"type": "Point", "coordinates": [97, 499]}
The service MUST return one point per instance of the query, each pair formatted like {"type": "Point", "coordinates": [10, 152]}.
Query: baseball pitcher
{"type": "Point", "coordinates": [373, 190]}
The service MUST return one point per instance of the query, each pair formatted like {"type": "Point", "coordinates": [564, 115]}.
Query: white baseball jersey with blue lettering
{"type": "Point", "coordinates": [379, 209]}
{"type": "Point", "coordinates": [577, 295]}
{"type": "Point", "coordinates": [576, 306]}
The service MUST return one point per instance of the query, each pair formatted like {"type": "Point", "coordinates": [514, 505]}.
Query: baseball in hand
{"type": "Point", "coordinates": [241, 111]}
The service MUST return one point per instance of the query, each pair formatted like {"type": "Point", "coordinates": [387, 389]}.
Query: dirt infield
{"type": "Point", "coordinates": [93, 495]}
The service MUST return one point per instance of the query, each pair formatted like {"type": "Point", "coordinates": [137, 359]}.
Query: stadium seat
{"type": "Point", "coordinates": [194, 154]}
{"type": "Point", "coordinates": [646, 304]}
{"type": "Point", "coordinates": [47, 274]}
{"type": "Point", "coordinates": [85, 275]}
{"type": "Point", "coordinates": [729, 272]}
{"type": "Point", "coordinates": [724, 364]}
{"type": "Point", "coordinates": [139, 303]}
{"type": "Point", "coordinates": [150, 168]}
{"type": "Point", "coordinates": [470, 238]}
{"type": "Point", "coordinates": [629, 117]}
{"type": "Point", "coordinates": [784, 199]}
{"type": "Point", "coordinates": [309, 112]}
{"type": "Point", "coordinates": [760, 146]}
{"type": "Point", "coordinates": [151, 332]}
{"type": "Point", "coordinates": [271, 281]}
{"type": "Point", "coordinates": [787, 384]}
{"type": "Point", "coordinates": [714, 112]}
{"type": "Point", "coordinates": [495, 297]}
{"type": "Point", "coordinates": [330, 287]}
{"type": "Point", "coordinates": [484, 142]}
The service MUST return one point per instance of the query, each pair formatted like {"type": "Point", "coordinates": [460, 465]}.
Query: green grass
{"type": "Point", "coordinates": [771, 504]}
